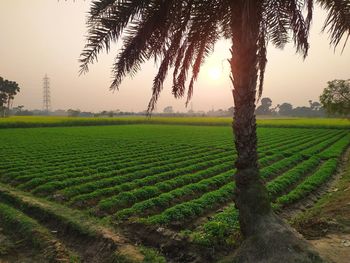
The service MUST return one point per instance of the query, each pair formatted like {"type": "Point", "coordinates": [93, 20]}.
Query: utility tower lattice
{"type": "Point", "coordinates": [46, 94]}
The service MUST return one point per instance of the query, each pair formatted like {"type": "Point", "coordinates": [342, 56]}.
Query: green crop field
{"type": "Point", "coordinates": [152, 177]}
{"type": "Point", "coordinates": [51, 121]}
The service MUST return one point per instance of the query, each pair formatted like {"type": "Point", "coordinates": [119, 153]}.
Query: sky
{"type": "Point", "coordinates": [41, 37]}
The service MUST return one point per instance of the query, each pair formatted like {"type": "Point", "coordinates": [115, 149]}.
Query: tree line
{"type": "Point", "coordinates": [314, 109]}
{"type": "Point", "coordinates": [334, 101]}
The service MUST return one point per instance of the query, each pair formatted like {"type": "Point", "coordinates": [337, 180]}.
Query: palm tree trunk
{"type": "Point", "coordinates": [267, 238]}
{"type": "Point", "coordinates": [251, 195]}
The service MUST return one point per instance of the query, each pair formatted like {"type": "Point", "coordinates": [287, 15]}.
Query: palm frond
{"type": "Point", "coordinates": [106, 23]}
{"type": "Point", "coordinates": [139, 42]}
{"type": "Point", "coordinates": [181, 34]}
{"type": "Point", "coordinates": [164, 67]}
{"type": "Point", "coordinates": [277, 23]}
{"type": "Point", "coordinates": [299, 26]}
{"type": "Point", "coordinates": [262, 56]}
{"type": "Point", "coordinates": [338, 20]}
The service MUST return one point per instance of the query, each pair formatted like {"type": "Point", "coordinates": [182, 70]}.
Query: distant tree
{"type": "Point", "coordinates": [315, 105]}
{"type": "Point", "coordinates": [182, 34]}
{"type": "Point", "coordinates": [168, 109]}
{"type": "Point", "coordinates": [275, 110]}
{"type": "Point", "coordinates": [8, 90]}
{"type": "Point", "coordinates": [24, 113]}
{"type": "Point", "coordinates": [231, 110]}
{"type": "Point", "coordinates": [73, 113]}
{"type": "Point", "coordinates": [59, 112]}
{"type": "Point", "coordinates": [86, 114]}
{"type": "Point", "coordinates": [264, 108]}
{"type": "Point", "coordinates": [190, 111]}
{"type": "Point", "coordinates": [315, 110]}
{"type": "Point", "coordinates": [302, 111]}
{"type": "Point", "coordinates": [336, 98]}
{"type": "Point", "coordinates": [285, 109]}
{"type": "Point", "coordinates": [18, 109]}
{"type": "Point", "coordinates": [3, 97]}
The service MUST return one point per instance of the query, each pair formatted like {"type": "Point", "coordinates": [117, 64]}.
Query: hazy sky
{"type": "Point", "coordinates": [47, 36]}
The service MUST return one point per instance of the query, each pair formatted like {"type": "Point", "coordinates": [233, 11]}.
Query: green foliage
{"type": "Point", "coordinates": [337, 148]}
{"type": "Point", "coordinates": [292, 176]}
{"type": "Point", "coordinates": [164, 174]}
{"type": "Point", "coordinates": [188, 210]}
{"type": "Point", "coordinates": [336, 98]}
{"type": "Point", "coordinates": [220, 230]}
{"type": "Point", "coordinates": [8, 90]}
{"type": "Point", "coordinates": [151, 256]}
{"type": "Point", "coordinates": [310, 184]}
{"type": "Point", "coordinates": [45, 121]}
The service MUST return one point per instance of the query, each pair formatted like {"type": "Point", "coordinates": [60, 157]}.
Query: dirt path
{"type": "Point", "coordinates": [334, 247]}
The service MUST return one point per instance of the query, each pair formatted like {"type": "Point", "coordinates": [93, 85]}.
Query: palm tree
{"type": "Point", "coordinates": [180, 35]}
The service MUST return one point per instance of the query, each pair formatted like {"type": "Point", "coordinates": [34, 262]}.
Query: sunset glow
{"type": "Point", "coordinates": [214, 73]}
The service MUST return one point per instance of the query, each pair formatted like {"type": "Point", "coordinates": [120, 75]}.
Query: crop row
{"type": "Point", "coordinates": [24, 175]}
{"type": "Point", "coordinates": [268, 172]}
{"type": "Point", "coordinates": [121, 178]}
{"type": "Point", "coordinates": [182, 175]}
{"type": "Point", "coordinates": [81, 177]}
{"type": "Point", "coordinates": [109, 180]}
{"type": "Point", "coordinates": [183, 212]}
{"type": "Point", "coordinates": [299, 143]}
{"type": "Point", "coordinates": [162, 181]}
{"type": "Point", "coordinates": [126, 150]}
{"type": "Point", "coordinates": [322, 145]}
{"type": "Point", "coordinates": [74, 158]}
{"type": "Point", "coordinates": [336, 149]}
{"type": "Point", "coordinates": [180, 194]}
{"type": "Point", "coordinates": [139, 207]}
{"type": "Point", "coordinates": [165, 200]}
{"type": "Point", "coordinates": [99, 164]}
{"type": "Point", "coordinates": [289, 178]}
{"type": "Point", "coordinates": [296, 140]}
{"type": "Point", "coordinates": [218, 229]}
{"type": "Point", "coordinates": [196, 207]}
{"type": "Point", "coordinates": [310, 184]}
{"type": "Point", "coordinates": [54, 185]}
{"type": "Point", "coordinates": [46, 149]}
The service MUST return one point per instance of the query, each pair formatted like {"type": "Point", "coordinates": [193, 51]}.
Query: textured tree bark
{"type": "Point", "coordinates": [267, 238]}
{"type": "Point", "coordinates": [251, 195]}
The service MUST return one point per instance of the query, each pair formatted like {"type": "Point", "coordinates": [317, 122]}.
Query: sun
{"type": "Point", "coordinates": [214, 73]}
